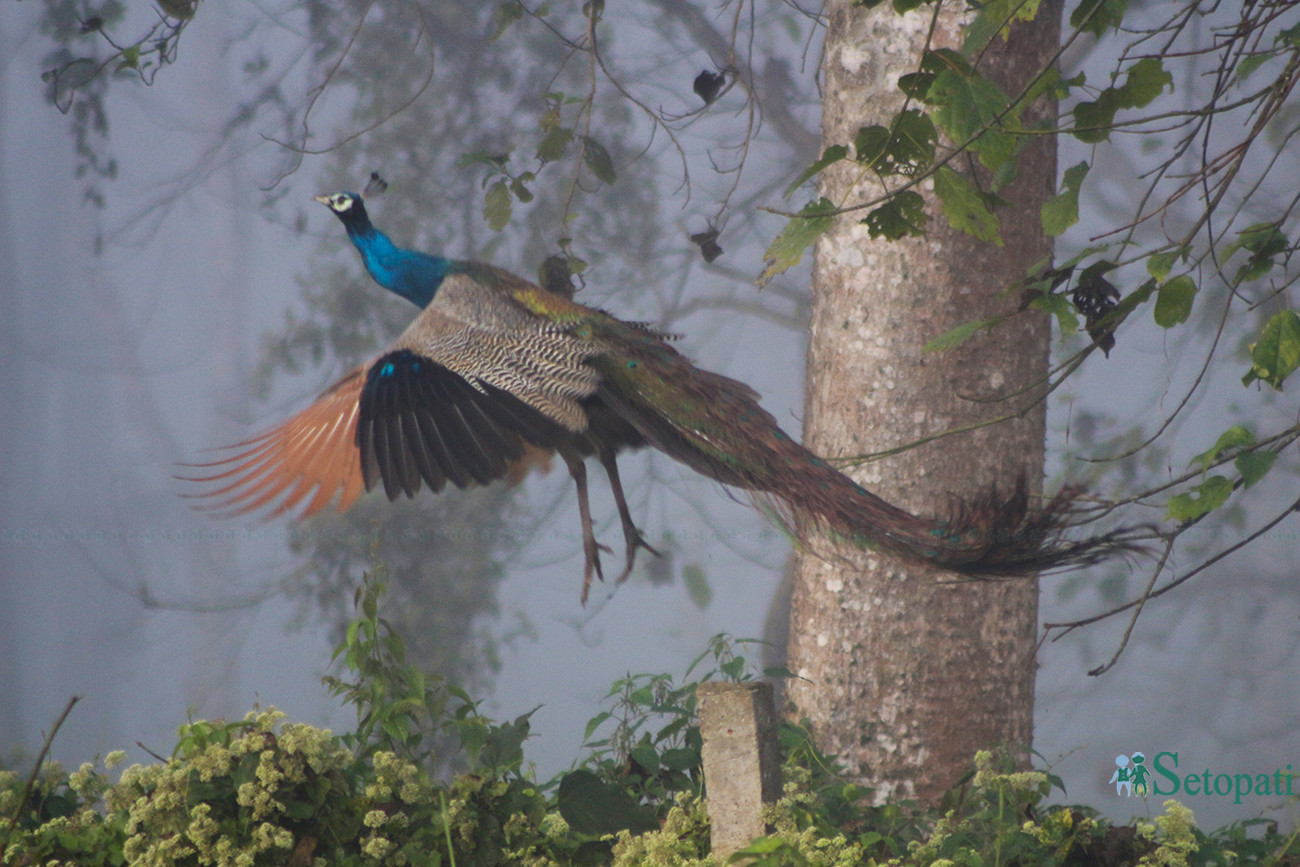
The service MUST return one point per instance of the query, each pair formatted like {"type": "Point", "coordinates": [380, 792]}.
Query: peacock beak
{"type": "Point", "coordinates": [324, 200]}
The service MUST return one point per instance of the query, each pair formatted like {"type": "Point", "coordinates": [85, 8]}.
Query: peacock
{"type": "Point", "coordinates": [496, 374]}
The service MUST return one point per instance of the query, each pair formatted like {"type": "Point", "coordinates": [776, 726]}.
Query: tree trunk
{"type": "Point", "coordinates": [906, 675]}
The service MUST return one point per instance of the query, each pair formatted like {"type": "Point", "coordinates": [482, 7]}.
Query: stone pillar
{"type": "Point", "coordinates": [742, 761]}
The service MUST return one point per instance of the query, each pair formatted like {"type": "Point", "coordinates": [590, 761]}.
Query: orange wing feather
{"type": "Point", "coordinates": [313, 453]}
{"type": "Point", "coordinates": [314, 450]}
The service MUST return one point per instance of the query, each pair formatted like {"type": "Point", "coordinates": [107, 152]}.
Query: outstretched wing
{"type": "Point", "coordinates": [313, 453]}
{"type": "Point", "coordinates": [419, 421]}
{"type": "Point", "coordinates": [402, 421]}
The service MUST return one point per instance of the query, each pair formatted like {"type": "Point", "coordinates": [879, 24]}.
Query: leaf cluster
{"type": "Point", "coordinates": [87, 55]}
{"type": "Point", "coordinates": [266, 791]}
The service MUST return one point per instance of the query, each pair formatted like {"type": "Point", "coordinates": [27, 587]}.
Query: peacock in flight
{"type": "Point", "coordinates": [496, 374]}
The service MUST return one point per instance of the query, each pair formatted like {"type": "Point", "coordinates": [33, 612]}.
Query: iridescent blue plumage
{"type": "Point", "coordinates": [414, 275]}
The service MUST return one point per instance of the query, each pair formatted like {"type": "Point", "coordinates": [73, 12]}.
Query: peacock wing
{"type": "Point", "coordinates": [495, 329]}
{"type": "Point", "coordinates": [311, 454]}
{"type": "Point", "coordinates": [419, 421]}
{"type": "Point", "coordinates": [313, 459]}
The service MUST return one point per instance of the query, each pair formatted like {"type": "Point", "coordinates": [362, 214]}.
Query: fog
{"type": "Point", "coordinates": [131, 334]}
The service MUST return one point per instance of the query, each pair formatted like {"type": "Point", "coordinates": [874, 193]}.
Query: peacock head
{"type": "Point", "coordinates": [340, 203]}
{"type": "Point", "coordinates": [348, 207]}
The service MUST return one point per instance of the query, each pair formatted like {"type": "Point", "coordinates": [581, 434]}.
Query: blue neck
{"type": "Point", "coordinates": [415, 276]}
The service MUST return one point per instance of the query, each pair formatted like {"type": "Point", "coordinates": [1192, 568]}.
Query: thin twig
{"type": "Point", "coordinates": [36, 772]}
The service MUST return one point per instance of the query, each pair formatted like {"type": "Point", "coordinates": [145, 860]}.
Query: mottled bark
{"type": "Point", "coordinates": [907, 676]}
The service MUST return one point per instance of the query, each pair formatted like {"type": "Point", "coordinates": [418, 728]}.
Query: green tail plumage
{"type": "Point", "coordinates": [715, 425]}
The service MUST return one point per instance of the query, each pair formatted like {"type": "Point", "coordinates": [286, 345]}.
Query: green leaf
{"type": "Point", "coordinates": [995, 18]}
{"type": "Point", "coordinates": [1003, 176]}
{"type": "Point", "coordinates": [1061, 211]}
{"type": "Point", "coordinates": [1203, 499]}
{"type": "Point", "coordinates": [646, 756]}
{"type": "Point", "coordinates": [697, 585]}
{"type": "Point", "coordinates": [787, 248]}
{"type": "Point", "coordinates": [1254, 465]}
{"type": "Point", "coordinates": [964, 206]}
{"type": "Point", "coordinates": [733, 668]}
{"type": "Point", "coordinates": [505, 15]}
{"type": "Point", "coordinates": [967, 108]}
{"type": "Point", "coordinates": [497, 205]}
{"type": "Point", "coordinates": [554, 144]}
{"type": "Point", "coordinates": [130, 57]}
{"type": "Point", "coordinates": [594, 807]}
{"type": "Point", "coordinates": [551, 119]}
{"type": "Point", "coordinates": [960, 334]}
{"type": "Point", "coordinates": [521, 192]}
{"type": "Point", "coordinates": [1146, 80]}
{"type": "Point", "coordinates": [503, 748]}
{"type": "Point", "coordinates": [1060, 307]}
{"type": "Point", "coordinates": [680, 759]}
{"type": "Point", "coordinates": [1235, 437]}
{"type": "Point", "coordinates": [1264, 241]}
{"type": "Point", "coordinates": [598, 160]}
{"type": "Point", "coordinates": [902, 215]}
{"type": "Point", "coordinates": [916, 84]}
{"type": "Point", "coordinates": [870, 143]}
{"type": "Point", "coordinates": [1277, 354]}
{"type": "Point", "coordinates": [1049, 82]}
{"type": "Point", "coordinates": [945, 59]}
{"type": "Point", "coordinates": [594, 723]}
{"type": "Point", "coordinates": [832, 154]}
{"type": "Point", "coordinates": [1096, 16]}
{"type": "Point", "coordinates": [767, 846]}
{"type": "Point", "coordinates": [494, 160]}
{"type": "Point", "coordinates": [906, 148]}
{"type": "Point", "coordinates": [1093, 120]}
{"type": "Point", "coordinates": [1160, 264]}
{"type": "Point", "coordinates": [1174, 301]}
{"type": "Point", "coordinates": [1251, 62]}
{"type": "Point", "coordinates": [914, 142]}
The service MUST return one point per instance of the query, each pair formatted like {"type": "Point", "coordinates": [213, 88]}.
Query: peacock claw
{"type": "Point", "coordinates": [632, 537]}
{"type": "Point", "coordinates": [592, 566]}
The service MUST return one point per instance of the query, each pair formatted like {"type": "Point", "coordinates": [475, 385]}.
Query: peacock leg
{"type": "Point", "coordinates": [590, 548]}
{"type": "Point", "coordinates": [631, 535]}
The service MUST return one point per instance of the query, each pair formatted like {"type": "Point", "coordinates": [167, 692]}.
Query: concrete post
{"type": "Point", "coordinates": [742, 761]}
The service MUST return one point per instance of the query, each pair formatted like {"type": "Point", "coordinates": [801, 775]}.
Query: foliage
{"type": "Point", "coordinates": [446, 622]}
{"type": "Point", "coordinates": [652, 751]}
{"type": "Point", "coordinates": [77, 70]}
{"type": "Point", "coordinates": [267, 791]}
{"type": "Point", "coordinates": [400, 709]}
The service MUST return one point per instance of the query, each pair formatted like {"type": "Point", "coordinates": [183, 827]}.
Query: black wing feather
{"type": "Point", "coordinates": [420, 421]}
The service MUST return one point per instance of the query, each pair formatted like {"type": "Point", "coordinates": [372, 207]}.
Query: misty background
{"type": "Point", "coordinates": [186, 313]}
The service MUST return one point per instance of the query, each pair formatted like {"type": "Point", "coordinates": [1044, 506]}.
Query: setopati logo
{"type": "Point", "coordinates": [1132, 776]}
